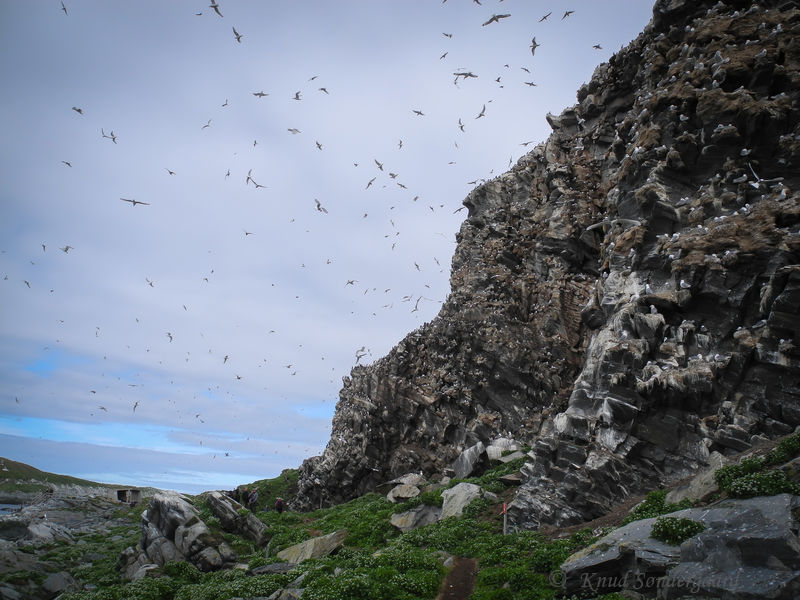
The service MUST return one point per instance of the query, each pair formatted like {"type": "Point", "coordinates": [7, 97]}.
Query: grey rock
{"type": "Point", "coordinates": [56, 583]}
{"type": "Point", "coordinates": [418, 516]}
{"type": "Point", "coordinates": [470, 460]}
{"type": "Point", "coordinates": [235, 520]}
{"type": "Point", "coordinates": [313, 548]}
{"type": "Point", "coordinates": [280, 567]}
{"type": "Point", "coordinates": [456, 498]}
{"type": "Point", "coordinates": [749, 549]}
{"type": "Point", "coordinates": [402, 492]}
{"type": "Point", "coordinates": [702, 485]}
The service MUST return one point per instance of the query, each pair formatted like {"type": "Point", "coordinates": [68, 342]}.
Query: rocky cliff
{"type": "Point", "coordinates": [626, 299]}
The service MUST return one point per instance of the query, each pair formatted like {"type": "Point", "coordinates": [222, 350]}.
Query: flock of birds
{"type": "Point", "coordinates": [383, 171]}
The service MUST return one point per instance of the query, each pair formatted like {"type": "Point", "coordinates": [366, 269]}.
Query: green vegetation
{"type": "Point", "coordinates": [675, 531]}
{"type": "Point", "coordinates": [751, 476]}
{"type": "Point", "coordinates": [655, 505]}
{"type": "Point", "coordinates": [20, 477]}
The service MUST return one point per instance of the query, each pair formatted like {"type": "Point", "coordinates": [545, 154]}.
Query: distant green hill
{"type": "Point", "coordinates": [17, 477]}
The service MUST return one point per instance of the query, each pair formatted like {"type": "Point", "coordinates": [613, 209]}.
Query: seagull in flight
{"type": "Point", "coordinates": [150, 283]}
{"type": "Point", "coordinates": [215, 6]}
{"type": "Point", "coordinates": [460, 124]}
{"type": "Point", "coordinates": [322, 89]}
{"type": "Point", "coordinates": [321, 208]}
{"type": "Point", "coordinates": [380, 165]}
{"type": "Point", "coordinates": [169, 335]}
{"type": "Point", "coordinates": [102, 408]}
{"type": "Point", "coordinates": [293, 130]}
{"type": "Point", "coordinates": [447, 35]}
{"type": "Point", "coordinates": [135, 405]}
{"type": "Point", "coordinates": [64, 8]}
{"type": "Point", "coordinates": [134, 202]}
{"type": "Point", "coordinates": [419, 113]}
{"type": "Point", "coordinates": [260, 94]}
{"type": "Point", "coordinates": [296, 96]}
{"type": "Point", "coordinates": [69, 164]}
{"type": "Point", "coordinates": [544, 18]}
{"type": "Point", "coordinates": [237, 35]}
{"type": "Point", "coordinates": [77, 110]}
{"type": "Point", "coordinates": [170, 172]}
{"type": "Point", "coordinates": [482, 113]}
{"type": "Point", "coordinates": [203, 127]}
{"type": "Point", "coordinates": [534, 45]}
{"type": "Point", "coordinates": [567, 13]}
{"type": "Point", "coordinates": [597, 47]}
{"type": "Point", "coordinates": [495, 19]}
{"type": "Point", "coordinates": [66, 249]}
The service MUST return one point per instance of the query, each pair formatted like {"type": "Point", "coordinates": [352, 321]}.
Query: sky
{"type": "Point", "coordinates": [198, 339]}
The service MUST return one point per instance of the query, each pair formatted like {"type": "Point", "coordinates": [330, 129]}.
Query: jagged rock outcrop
{"type": "Point", "coordinates": [235, 518]}
{"type": "Point", "coordinates": [173, 531]}
{"type": "Point", "coordinates": [626, 299]}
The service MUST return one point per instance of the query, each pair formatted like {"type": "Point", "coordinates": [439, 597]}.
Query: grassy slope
{"type": "Point", "coordinates": [17, 476]}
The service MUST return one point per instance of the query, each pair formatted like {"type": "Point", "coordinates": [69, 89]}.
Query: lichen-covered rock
{"type": "Point", "coordinates": [173, 531]}
{"type": "Point", "coordinates": [236, 519]}
{"type": "Point", "coordinates": [626, 299]}
{"type": "Point", "coordinates": [456, 499]}
{"type": "Point", "coordinates": [314, 548]}
{"type": "Point", "coordinates": [419, 516]}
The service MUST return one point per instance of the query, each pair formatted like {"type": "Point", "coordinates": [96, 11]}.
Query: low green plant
{"type": "Point", "coordinates": [764, 483]}
{"type": "Point", "coordinates": [675, 531]}
{"type": "Point", "coordinates": [654, 505]}
{"type": "Point", "coordinates": [727, 474]}
{"type": "Point", "coordinates": [785, 450]}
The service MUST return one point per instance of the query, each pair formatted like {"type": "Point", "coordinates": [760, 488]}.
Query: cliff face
{"type": "Point", "coordinates": [626, 298]}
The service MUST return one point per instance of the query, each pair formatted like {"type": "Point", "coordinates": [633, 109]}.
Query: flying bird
{"type": "Point", "coordinates": [64, 8]}
{"type": "Point", "coordinates": [102, 408]}
{"type": "Point", "coordinates": [66, 249]}
{"type": "Point", "coordinates": [482, 113]}
{"type": "Point", "coordinates": [296, 96]}
{"type": "Point", "coordinates": [322, 89]}
{"type": "Point", "coordinates": [150, 283]}
{"type": "Point", "coordinates": [215, 6]}
{"type": "Point", "coordinates": [293, 130]}
{"type": "Point", "coordinates": [246, 233]}
{"type": "Point", "coordinates": [369, 183]}
{"type": "Point", "coordinates": [460, 124]}
{"type": "Point", "coordinates": [260, 94]}
{"type": "Point", "coordinates": [134, 202]}
{"type": "Point", "coordinates": [567, 13]}
{"type": "Point", "coordinates": [237, 35]}
{"type": "Point", "coordinates": [495, 19]}
{"type": "Point", "coordinates": [530, 83]}
{"type": "Point", "coordinates": [169, 335]}
{"type": "Point", "coordinates": [442, 56]}
{"type": "Point", "coordinates": [419, 113]}
{"type": "Point", "coordinates": [170, 172]}
{"type": "Point", "coordinates": [319, 146]}
{"type": "Point", "coordinates": [135, 405]}
{"type": "Point", "coordinates": [380, 165]}
{"type": "Point", "coordinates": [534, 46]}
{"type": "Point", "coordinates": [597, 47]}
{"type": "Point", "coordinates": [203, 127]}
{"type": "Point", "coordinates": [544, 18]}
{"type": "Point", "coordinates": [320, 208]}
{"type": "Point", "coordinates": [447, 35]}
{"type": "Point", "coordinates": [69, 164]}
{"type": "Point", "coordinates": [77, 110]}
{"type": "Point", "coordinates": [224, 360]}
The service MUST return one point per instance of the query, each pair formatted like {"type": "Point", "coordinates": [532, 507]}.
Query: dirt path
{"type": "Point", "coordinates": [460, 581]}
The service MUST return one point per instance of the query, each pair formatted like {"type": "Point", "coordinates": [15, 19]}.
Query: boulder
{"type": "Point", "coordinates": [402, 492]}
{"type": "Point", "coordinates": [513, 456]}
{"type": "Point", "coordinates": [314, 548]}
{"type": "Point", "coordinates": [749, 549]}
{"type": "Point", "coordinates": [418, 516]}
{"type": "Point", "coordinates": [701, 486]}
{"type": "Point", "coordinates": [57, 583]}
{"type": "Point", "coordinates": [173, 531]}
{"type": "Point", "coordinates": [471, 460]}
{"type": "Point", "coordinates": [234, 518]}
{"type": "Point", "coordinates": [455, 499]}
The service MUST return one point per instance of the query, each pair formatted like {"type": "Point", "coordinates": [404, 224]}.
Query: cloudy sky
{"type": "Point", "coordinates": [198, 340]}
